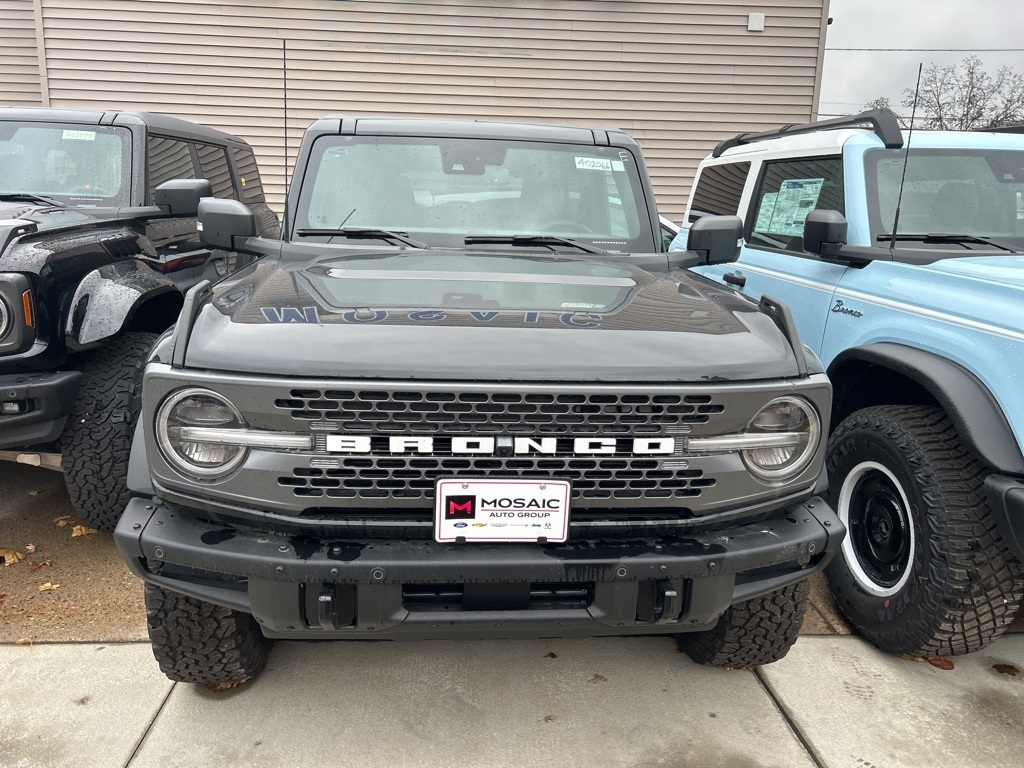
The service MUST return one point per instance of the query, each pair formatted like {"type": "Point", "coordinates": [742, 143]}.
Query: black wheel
{"type": "Point", "coordinates": [199, 642]}
{"type": "Point", "coordinates": [757, 631]}
{"type": "Point", "coordinates": [98, 436]}
{"type": "Point", "coordinates": [922, 570]}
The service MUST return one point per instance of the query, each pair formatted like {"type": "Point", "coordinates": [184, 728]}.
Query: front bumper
{"type": "Point", "coordinates": [301, 587]}
{"type": "Point", "coordinates": [48, 399]}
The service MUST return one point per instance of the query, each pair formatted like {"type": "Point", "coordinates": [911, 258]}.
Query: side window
{"type": "Point", "coordinates": [250, 185]}
{"type": "Point", "coordinates": [213, 164]}
{"type": "Point", "coordinates": [168, 159]}
{"type": "Point", "coordinates": [719, 190]}
{"type": "Point", "coordinates": [789, 191]}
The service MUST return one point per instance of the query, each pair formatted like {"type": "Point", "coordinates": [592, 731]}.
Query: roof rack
{"type": "Point", "coordinates": [882, 121]}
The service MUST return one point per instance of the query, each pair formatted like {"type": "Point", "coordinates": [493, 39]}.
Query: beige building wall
{"type": "Point", "coordinates": [678, 76]}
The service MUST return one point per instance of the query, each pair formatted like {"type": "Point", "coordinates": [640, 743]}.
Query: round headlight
{"type": "Point", "coordinates": [794, 424]}
{"type": "Point", "coordinates": [195, 407]}
{"type": "Point", "coordinates": [5, 318]}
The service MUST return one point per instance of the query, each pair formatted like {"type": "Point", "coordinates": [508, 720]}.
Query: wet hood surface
{"type": "Point", "coordinates": [484, 316]}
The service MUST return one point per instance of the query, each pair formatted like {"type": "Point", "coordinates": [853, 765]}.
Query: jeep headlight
{"type": "Point", "coordinates": [192, 413]}
{"type": "Point", "coordinates": [784, 436]}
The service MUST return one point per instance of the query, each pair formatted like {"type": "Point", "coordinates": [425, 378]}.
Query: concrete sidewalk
{"type": "Point", "coordinates": [834, 701]}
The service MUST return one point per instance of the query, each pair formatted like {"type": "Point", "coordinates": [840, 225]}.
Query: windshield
{"type": "Point", "coordinates": [468, 281]}
{"type": "Point", "coordinates": [84, 165]}
{"type": "Point", "coordinates": [440, 191]}
{"type": "Point", "coordinates": [948, 191]}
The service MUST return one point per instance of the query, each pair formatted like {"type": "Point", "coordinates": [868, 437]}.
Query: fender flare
{"type": "Point", "coordinates": [106, 299]}
{"type": "Point", "coordinates": [975, 413]}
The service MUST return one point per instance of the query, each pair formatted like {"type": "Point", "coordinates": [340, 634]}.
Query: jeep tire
{"type": "Point", "coordinates": [751, 633]}
{"type": "Point", "coordinates": [97, 439]}
{"type": "Point", "coordinates": [199, 642]}
{"type": "Point", "coordinates": [922, 571]}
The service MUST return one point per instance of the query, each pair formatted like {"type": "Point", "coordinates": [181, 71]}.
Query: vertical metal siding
{"type": "Point", "coordinates": [678, 76]}
{"type": "Point", "coordinates": [20, 83]}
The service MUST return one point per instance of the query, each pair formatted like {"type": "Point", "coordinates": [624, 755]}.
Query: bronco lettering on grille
{"type": "Point", "coordinates": [519, 446]}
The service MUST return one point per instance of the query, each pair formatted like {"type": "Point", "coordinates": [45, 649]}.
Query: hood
{"type": "Point", "coordinates": [996, 270]}
{"type": "Point", "coordinates": [18, 218]}
{"type": "Point", "coordinates": [484, 316]}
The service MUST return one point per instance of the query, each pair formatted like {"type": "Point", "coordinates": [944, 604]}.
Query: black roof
{"type": "Point", "coordinates": [156, 122]}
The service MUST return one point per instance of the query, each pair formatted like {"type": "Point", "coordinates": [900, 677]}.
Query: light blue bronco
{"type": "Point", "coordinates": [923, 337]}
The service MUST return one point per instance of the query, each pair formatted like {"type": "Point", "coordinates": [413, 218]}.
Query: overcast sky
{"type": "Point", "coordinates": [852, 78]}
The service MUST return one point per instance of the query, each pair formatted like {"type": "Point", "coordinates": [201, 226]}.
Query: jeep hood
{"type": "Point", "coordinates": [483, 316]}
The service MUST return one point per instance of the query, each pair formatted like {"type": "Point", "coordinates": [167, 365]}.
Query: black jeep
{"type": "Point", "coordinates": [98, 244]}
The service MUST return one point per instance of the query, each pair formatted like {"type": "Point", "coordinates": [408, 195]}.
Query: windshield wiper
{"type": "Point", "coordinates": [363, 233]}
{"type": "Point", "coordinates": [943, 238]}
{"type": "Point", "coordinates": [30, 197]}
{"type": "Point", "coordinates": [548, 240]}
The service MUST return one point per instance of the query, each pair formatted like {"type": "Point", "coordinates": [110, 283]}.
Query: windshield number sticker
{"type": "Point", "coordinates": [79, 135]}
{"type": "Point", "coordinates": [593, 164]}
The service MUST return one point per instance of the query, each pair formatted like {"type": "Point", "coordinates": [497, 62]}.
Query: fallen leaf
{"type": "Point", "coordinates": [40, 564]}
{"type": "Point", "coordinates": [2, 598]}
{"type": "Point", "coordinates": [48, 587]}
{"type": "Point", "coordinates": [915, 659]}
{"type": "Point", "coordinates": [550, 655]}
{"type": "Point", "coordinates": [1005, 669]}
{"type": "Point", "coordinates": [11, 556]}
{"type": "Point", "coordinates": [941, 663]}
{"type": "Point", "coordinates": [24, 641]}
{"type": "Point", "coordinates": [30, 548]}
{"type": "Point", "coordinates": [549, 718]}
{"type": "Point", "coordinates": [225, 686]}
{"type": "Point", "coordinates": [82, 530]}
{"type": "Point", "coordinates": [599, 679]}
{"type": "Point", "coordinates": [63, 520]}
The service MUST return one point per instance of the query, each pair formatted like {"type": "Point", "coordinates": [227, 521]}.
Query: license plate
{"type": "Point", "coordinates": [501, 510]}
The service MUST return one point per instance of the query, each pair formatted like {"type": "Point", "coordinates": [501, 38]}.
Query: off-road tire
{"type": "Point", "coordinates": [199, 642]}
{"type": "Point", "coordinates": [97, 439]}
{"type": "Point", "coordinates": [755, 632]}
{"type": "Point", "coordinates": [963, 586]}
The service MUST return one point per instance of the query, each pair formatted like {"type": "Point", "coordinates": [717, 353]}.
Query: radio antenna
{"type": "Point", "coordinates": [287, 176]}
{"type": "Point", "coordinates": [906, 159]}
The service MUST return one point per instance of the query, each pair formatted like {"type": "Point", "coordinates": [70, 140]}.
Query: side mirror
{"type": "Point", "coordinates": [221, 221]}
{"type": "Point", "coordinates": [824, 233]}
{"type": "Point", "coordinates": [180, 197]}
{"type": "Point", "coordinates": [716, 239]}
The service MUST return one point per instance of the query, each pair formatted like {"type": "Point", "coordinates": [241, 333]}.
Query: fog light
{"type": "Point", "coordinates": [12, 407]}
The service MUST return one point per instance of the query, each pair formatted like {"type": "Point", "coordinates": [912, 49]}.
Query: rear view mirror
{"type": "Point", "coordinates": [221, 221]}
{"type": "Point", "coordinates": [180, 197]}
{"type": "Point", "coordinates": [716, 239]}
{"type": "Point", "coordinates": [824, 233]}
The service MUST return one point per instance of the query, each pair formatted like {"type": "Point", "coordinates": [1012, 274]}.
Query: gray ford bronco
{"type": "Point", "coordinates": [98, 245]}
{"type": "Point", "coordinates": [468, 394]}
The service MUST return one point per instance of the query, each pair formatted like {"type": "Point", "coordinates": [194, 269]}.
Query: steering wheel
{"type": "Point", "coordinates": [569, 224]}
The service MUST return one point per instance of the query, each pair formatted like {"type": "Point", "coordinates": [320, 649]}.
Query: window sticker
{"type": "Point", "coordinates": [593, 164]}
{"type": "Point", "coordinates": [785, 211]}
{"type": "Point", "coordinates": [618, 165]}
{"type": "Point", "coordinates": [764, 213]}
{"type": "Point", "coordinates": [79, 135]}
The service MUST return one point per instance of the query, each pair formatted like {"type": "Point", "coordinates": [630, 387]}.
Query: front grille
{"type": "Point", "coordinates": [380, 477]}
{"type": "Point", "coordinates": [496, 413]}
{"type": "Point", "coordinates": [407, 477]}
